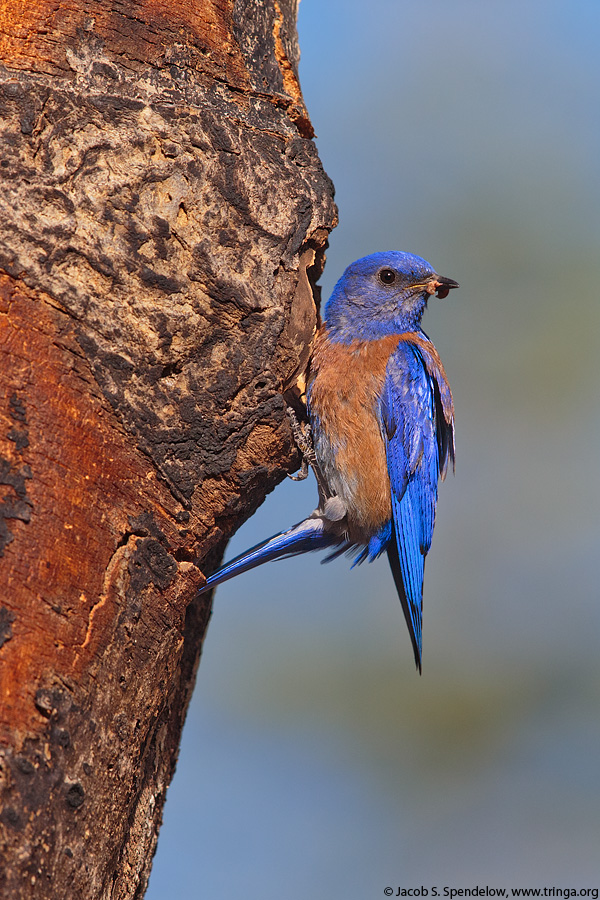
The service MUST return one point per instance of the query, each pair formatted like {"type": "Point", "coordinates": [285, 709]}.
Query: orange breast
{"type": "Point", "coordinates": [344, 388]}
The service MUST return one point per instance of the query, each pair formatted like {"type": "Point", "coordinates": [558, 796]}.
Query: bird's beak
{"type": "Point", "coordinates": [441, 286]}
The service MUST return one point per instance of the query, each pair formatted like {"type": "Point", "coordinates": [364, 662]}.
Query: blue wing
{"type": "Point", "coordinates": [413, 440]}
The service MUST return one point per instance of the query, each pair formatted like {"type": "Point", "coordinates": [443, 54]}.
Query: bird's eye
{"type": "Point", "coordinates": [387, 276]}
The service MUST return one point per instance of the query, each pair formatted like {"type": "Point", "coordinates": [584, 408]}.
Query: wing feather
{"type": "Point", "coordinates": [413, 443]}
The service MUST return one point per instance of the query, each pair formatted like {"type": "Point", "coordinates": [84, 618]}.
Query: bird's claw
{"type": "Point", "coordinates": [303, 473]}
{"type": "Point", "coordinates": [303, 438]}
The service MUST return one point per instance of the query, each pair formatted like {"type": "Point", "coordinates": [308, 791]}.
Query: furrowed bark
{"type": "Point", "coordinates": [163, 217]}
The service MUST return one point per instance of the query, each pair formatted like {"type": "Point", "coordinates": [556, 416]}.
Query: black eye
{"type": "Point", "coordinates": [387, 276]}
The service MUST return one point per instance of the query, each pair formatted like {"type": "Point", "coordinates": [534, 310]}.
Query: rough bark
{"type": "Point", "coordinates": [163, 215]}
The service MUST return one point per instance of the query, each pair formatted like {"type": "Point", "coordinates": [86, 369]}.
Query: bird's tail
{"type": "Point", "coordinates": [307, 535]}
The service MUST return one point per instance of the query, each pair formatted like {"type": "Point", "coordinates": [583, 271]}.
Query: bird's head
{"type": "Point", "coordinates": [385, 293]}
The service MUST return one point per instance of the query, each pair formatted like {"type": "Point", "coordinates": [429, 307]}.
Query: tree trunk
{"type": "Point", "coordinates": [163, 216]}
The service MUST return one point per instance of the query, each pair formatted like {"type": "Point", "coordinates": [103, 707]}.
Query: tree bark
{"type": "Point", "coordinates": [163, 218]}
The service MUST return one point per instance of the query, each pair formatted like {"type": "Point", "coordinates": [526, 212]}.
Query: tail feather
{"type": "Point", "coordinates": [302, 538]}
{"type": "Point", "coordinates": [411, 609]}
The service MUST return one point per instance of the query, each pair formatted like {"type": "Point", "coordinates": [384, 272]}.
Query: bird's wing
{"type": "Point", "coordinates": [412, 440]}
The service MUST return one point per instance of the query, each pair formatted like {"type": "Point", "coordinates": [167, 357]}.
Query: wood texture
{"type": "Point", "coordinates": [163, 216]}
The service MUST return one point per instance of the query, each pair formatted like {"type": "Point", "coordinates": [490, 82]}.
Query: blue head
{"type": "Point", "coordinates": [385, 293]}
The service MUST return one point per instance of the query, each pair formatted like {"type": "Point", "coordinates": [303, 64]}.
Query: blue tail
{"type": "Point", "coordinates": [307, 535]}
{"type": "Point", "coordinates": [406, 554]}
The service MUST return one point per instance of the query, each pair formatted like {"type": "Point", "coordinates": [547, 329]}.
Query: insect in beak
{"type": "Point", "coordinates": [441, 286]}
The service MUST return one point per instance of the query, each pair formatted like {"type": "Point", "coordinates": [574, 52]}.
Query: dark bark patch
{"type": "Point", "coordinates": [11, 508]}
{"type": "Point", "coordinates": [10, 817]}
{"type": "Point", "coordinates": [151, 564]}
{"type": "Point", "coordinates": [75, 796]}
{"type": "Point", "coordinates": [162, 282]}
{"type": "Point", "coordinates": [15, 480]}
{"type": "Point", "coordinates": [60, 737]}
{"type": "Point", "coordinates": [24, 765]}
{"type": "Point", "coordinates": [20, 439]}
{"type": "Point", "coordinates": [7, 617]}
{"type": "Point", "coordinates": [17, 409]}
{"type": "Point", "coordinates": [145, 525]}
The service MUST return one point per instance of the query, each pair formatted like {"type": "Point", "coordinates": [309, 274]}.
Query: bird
{"type": "Point", "coordinates": [380, 429]}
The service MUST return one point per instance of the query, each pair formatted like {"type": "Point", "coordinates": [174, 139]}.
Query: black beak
{"type": "Point", "coordinates": [443, 286]}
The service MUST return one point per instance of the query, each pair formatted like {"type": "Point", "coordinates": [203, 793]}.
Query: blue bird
{"type": "Point", "coordinates": [382, 428]}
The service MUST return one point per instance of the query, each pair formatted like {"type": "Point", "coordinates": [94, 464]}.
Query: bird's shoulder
{"type": "Point", "coordinates": [417, 355]}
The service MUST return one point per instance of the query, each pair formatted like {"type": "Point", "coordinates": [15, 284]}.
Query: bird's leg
{"type": "Point", "coordinates": [303, 443]}
{"type": "Point", "coordinates": [303, 437]}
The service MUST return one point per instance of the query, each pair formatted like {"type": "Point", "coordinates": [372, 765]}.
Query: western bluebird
{"type": "Point", "coordinates": [382, 428]}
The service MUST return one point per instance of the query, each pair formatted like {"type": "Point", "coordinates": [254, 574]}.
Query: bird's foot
{"type": "Point", "coordinates": [303, 438]}
{"type": "Point", "coordinates": [303, 472]}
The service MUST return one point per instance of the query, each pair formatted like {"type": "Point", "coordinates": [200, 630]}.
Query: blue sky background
{"type": "Point", "coordinates": [315, 763]}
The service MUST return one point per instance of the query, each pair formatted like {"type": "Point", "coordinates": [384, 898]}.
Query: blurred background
{"type": "Point", "coordinates": [315, 762]}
